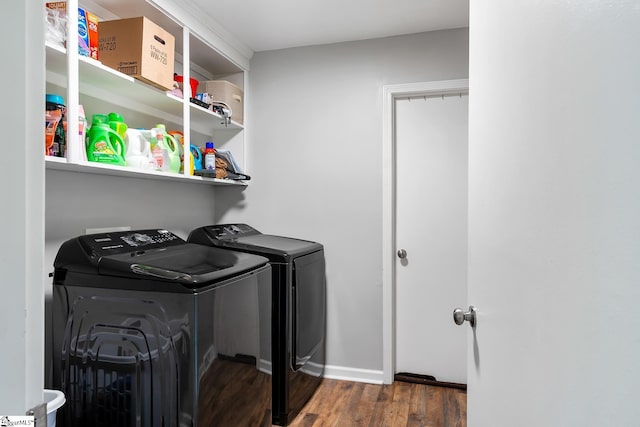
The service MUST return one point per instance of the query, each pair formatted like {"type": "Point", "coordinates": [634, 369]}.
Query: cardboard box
{"type": "Point", "coordinates": [230, 94]}
{"type": "Point", "coordinates": [140, 48]}
{"type": "Point", "coordinates": [87, 28]}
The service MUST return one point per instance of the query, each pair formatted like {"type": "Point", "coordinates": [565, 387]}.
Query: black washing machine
{"type": "Point", "coordinates": [299, 309]}
{"type": "Point", "coordinates": [149, 330]}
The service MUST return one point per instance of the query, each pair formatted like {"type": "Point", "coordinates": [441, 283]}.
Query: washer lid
{"type": "Point", "coordinates": [244, 238]}
{"type": "Point", "coordinates": [269, 244]}
{"type": "Point", "coordinates": [153, 255]}
{"type": "Point", "coordinates": [192, 265]}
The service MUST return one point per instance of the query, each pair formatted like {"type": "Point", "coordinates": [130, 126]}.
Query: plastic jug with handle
{"type": "Point", "coordinates": [165, 142]}
{"type": "Point", "coordinates": [104, 145]}
{"type": "Point", "coordinates": [139, 150]}
{"type": "Point", "coordinates": [178, 136]}
{"type": "Point", "coordinates": [116, 122]}
{"type": "Point", "coordinates": [196, 157]}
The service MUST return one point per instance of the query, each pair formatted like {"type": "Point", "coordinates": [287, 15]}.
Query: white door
{"type": "Point", "coordinates": [554, 214]}
{"type": "Point", "coordinates": [431, 235]}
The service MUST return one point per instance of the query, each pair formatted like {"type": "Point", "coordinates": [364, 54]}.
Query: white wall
{"type": "Point", "coordinates": [22, 176]}
{"type": "Point", "coordinates": [554, 216]}
{"type": "Point", "coordinates": [315, 153]}
{"type": "Point", "coordinates": [76, 201]}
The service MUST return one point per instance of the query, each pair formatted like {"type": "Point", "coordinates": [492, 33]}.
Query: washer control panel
{"type": "Point", "coordinates": [128, 241]}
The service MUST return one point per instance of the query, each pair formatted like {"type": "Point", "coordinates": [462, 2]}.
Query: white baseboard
{"type": "Point", "coordinates": [353, 374]}
{"type": "Point", "coordinates": [337, 373]}
{"type": "Point", "coordinates": [265, 366]}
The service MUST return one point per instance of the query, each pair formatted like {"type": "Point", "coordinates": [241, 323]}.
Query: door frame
{"type": "Point", "coordinates": [389, 94]}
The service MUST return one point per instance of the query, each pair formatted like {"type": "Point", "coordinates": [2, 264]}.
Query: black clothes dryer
{"type": "Point", "coordinates": [299, 309]}
{"type": "Point", "coordinates": [149, 330]}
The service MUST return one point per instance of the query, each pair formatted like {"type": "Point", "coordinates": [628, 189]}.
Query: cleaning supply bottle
{"type": "Point", "coordinates": [210, 156]}
{"type": "Point", "coordinates": [196, 157]}
{"type": "Point", "coordinates": [55, 126]}
{"type": "Point", "coordinates": [116, 122]}
{"type": "Point", "coordinates": [158, 152]}
{"type": "Point", "coordinates": [166, 142]}
{"type": "Point", "coordinates": [80, 151]}
{"type": "Point", "coordinates": [173, 148]}
{"type": "Point", "coordinates": [179, 139]}
{"type": "Point", "coordinates": [104, 145]}
{"type": "Point", "coordinates": [139, 150]}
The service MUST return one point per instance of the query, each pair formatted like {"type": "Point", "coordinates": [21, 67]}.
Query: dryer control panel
{"type": "Point", "coordinates": [230, 231]}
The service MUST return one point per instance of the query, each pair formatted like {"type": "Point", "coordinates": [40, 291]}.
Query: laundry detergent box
{"type": "Point", "coordinates": [87, 33]}
{"type": "Point", "coordinates": [87, 28]}
{"type": "Point", "coordinates": [139, 48]}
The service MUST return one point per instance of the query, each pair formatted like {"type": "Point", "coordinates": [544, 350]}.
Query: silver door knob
{"type": "Point", "coordinates": [459, 316]}
{"type": "Point", "coordinates": [402, 254]}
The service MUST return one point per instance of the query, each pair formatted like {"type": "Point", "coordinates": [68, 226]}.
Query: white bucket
{"type": "Point", "coordinates": [54, 399]}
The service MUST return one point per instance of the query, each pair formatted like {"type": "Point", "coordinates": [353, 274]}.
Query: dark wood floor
{"type": "Point", "coordinates": [231, 392]}
{"type": "Point", "coordinates": [345, 404]}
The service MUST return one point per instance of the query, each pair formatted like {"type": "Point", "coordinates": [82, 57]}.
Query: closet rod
{"type": "Point", "coordinates": [441, 95]}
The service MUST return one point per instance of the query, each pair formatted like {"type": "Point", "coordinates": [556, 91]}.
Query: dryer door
{"type": "Point", "coordinates": [308, 313]}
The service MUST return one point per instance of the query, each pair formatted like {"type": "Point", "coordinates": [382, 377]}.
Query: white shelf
{"type": "Point", "coordinates": [204, 121]}
{"type": "Point", "coordinates": [99, 88]}
{"type": "Point", "coordinates": [99, 81]}
{"type": "Point", "coordinates": [61, 164]}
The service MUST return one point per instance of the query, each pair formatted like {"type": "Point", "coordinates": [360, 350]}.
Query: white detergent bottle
{"type": "Point", "coordinates": [139, 149]}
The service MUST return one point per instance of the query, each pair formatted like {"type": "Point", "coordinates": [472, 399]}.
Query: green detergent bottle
{"type": "Point", "coordinates": [104, 145]}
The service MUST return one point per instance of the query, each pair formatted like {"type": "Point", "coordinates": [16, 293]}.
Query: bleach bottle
{"type": "Point", "coordinates": [139, 150]}
{"type": "Point", "coordinates": [104, 145]}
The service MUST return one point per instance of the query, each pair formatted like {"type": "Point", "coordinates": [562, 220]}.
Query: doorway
{"type": "Point", "coordinates": [418, 284]}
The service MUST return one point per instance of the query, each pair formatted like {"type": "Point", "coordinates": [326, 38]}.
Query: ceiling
{"type": "Point", "coordinates": [276, 24]}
